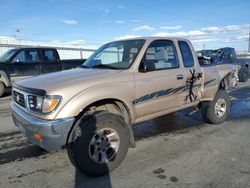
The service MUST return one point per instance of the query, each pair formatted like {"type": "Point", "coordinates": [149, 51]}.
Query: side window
{"type": "Point", "coordinates": [27, 56]}
{"type": "Point", "coordinates": [162, 54]}
{"type": "Point", "coordinates": [49, 55]}
{"type": "Point", "coordinates": [32, 56]}
{"type": "Point", "coordinates": [20, 57]}
{"type": "Point", "coordinates": [186, 54]}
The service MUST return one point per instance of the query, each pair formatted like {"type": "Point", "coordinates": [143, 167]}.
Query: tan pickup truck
{"type": "Point", "coordinates": [90, 110]}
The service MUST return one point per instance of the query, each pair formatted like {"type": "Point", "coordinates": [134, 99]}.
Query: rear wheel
{"type": "Point", "coordinates": [99, 143]}
{"type": "Point", "coordinates": [216, 111]}
{"type": "Point", "coordinates": [243, 75]}
{"type": "Point", "coordinates": [2, 88]}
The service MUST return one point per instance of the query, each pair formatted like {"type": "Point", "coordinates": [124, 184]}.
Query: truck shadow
{"type": "Point", "coordinates": [89, 182]}
{"type": "Point", "coordinates": [82, 180]}
{"type": "Point", "coordinates": [14, 147]}
{"type": "Point", "coordinates": [175, 123]}
{"type": "Point", "coordinates": [21, 154]}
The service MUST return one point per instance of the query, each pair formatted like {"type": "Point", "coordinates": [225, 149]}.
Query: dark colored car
{"type": "Point", "coordinates": [205, 53]}
{"type": "Point", "coordinates": [20, 63]}
{"type": "Point", "coordinates": [225, 55]}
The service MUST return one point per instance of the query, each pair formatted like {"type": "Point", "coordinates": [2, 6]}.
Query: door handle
{"type": "Point", "coordinates": [179, 76]}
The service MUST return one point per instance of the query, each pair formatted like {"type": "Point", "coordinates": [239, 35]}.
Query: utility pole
{"type": "Point", "coordinates": [204, 46]}
{"type": "Point", "coordinates": [17, 33]}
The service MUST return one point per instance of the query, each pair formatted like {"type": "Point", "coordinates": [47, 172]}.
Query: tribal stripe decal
{"type": "Point", "coordinates": [208, 82]}
{"type": "Point", "coordinates": [166, 92]}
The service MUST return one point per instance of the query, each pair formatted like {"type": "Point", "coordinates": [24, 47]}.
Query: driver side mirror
{"type": "Point", "coordinates": [15, 60]}
{"type": "Point", "coordinates": [147, 66]}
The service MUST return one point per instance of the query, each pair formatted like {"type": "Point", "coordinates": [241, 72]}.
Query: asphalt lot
{"type": "Point", "coordinates": [172, 151]}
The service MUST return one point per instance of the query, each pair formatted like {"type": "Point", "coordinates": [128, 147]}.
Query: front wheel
{"type": "Point", "coordinates": [216, 111]}
{"type": "Point", "coordinates": [100, 143]}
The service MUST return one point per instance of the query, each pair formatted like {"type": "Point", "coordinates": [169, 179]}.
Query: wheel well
{"type": "Point", "coordinates": [224, 84]}
{"type": "Point", "coordinates": [113, 106]}
{"type": "Point", "coordinates": [110, 105]}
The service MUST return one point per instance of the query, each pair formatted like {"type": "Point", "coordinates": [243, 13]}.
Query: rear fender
{"type": "Point", "coordinates": [226, 78]}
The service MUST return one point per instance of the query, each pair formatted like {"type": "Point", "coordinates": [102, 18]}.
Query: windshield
{"type": "Point", "coordinates": [7, 55]}
{"type": "Point", "coordinates": [115, 55]}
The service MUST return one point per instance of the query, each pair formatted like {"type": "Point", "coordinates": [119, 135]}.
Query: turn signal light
{"type": "Point", "coordinates": [38, 137]}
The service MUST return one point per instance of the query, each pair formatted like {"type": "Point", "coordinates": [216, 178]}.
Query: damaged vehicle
{"type": "Point", "coordinates": [227, 55]}
{"type": "Point", "coordinates": [91, 110]}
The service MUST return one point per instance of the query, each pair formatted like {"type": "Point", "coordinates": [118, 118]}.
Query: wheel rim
{"type": "Point", "coordinates": [220, 107]}
{"type": "Point", "coordinates": [104, 145]}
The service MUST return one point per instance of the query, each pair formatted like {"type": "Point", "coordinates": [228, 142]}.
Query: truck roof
{"type": "Point", "coordinates": [33, 47]}
{"type": "Point", "coordinates": [153, 38]}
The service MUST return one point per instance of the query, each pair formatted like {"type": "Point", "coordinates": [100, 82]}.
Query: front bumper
{"type": "Point", "coordinates": [54, 132]}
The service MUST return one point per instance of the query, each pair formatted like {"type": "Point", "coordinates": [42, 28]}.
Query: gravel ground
{"type": "Point", "coordinates": [172, 151]}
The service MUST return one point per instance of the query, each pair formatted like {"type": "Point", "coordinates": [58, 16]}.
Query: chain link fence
{"type": "Point", "coordinates": [66, 51]}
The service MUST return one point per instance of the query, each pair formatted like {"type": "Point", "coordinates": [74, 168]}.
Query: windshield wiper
{"type": "Point", "coordinates": [104, 66]}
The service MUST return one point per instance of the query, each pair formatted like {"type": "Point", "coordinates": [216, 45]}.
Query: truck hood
{"type": "Point", "coordinates": [74, 80]}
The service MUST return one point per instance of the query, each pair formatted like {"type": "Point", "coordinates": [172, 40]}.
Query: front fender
{"type": "Point", "coordinates": [123, 92]}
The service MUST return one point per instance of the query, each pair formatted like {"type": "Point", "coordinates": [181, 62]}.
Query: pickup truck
{"type": "Point", "coordinates": [227, 55]}
{"type": "Point", "coordinates": [21, 63]}
{"type": "Point", "coordinates": [90, 110]}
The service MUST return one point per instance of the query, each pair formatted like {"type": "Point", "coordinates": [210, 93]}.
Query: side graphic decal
{"type": "Point", "coordinates": [190, 84]}
{"type": "Point", "coordinates": [166, 92]}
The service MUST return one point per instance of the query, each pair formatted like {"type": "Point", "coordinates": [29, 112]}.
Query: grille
{"type": "Point", "coordinates": [19, 98]}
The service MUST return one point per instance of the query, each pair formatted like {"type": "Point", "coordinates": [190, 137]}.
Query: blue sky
{"type": "Point", "coordinates": [213, 23]}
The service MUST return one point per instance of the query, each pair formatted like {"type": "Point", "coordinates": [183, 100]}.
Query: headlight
{"type": "Point", "coordinates": [35, 103]}
{"type": "Point", "coordinates": [43, 105]}
{"type": "Point", "coordinates": [50, 104]}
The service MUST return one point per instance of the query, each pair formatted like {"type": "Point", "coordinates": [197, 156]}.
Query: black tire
{"type": "Point", "coordinates": [79, 148]}
{"type": "Point", "coordinates": [2, 88]}
{"type": "Point", "coordinates": [243, 75]}
{"type": "Point", "coordinates": [209, 112]}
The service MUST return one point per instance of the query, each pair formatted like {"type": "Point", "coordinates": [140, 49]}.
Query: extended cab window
{"type": "Point", "coordinates": [49, 55]}
{"type": "Point", "coordinates": [162, 54]}
{"type": "Point", "coordinates": [27, 56]}
{"type": "Point", "coordinates": [186, 54]}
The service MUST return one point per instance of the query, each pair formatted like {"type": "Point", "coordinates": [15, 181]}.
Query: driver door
{"type": "Point", "coordinates": [25, 64]}
{"type": "Point", "coordinates": [155, 89]}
